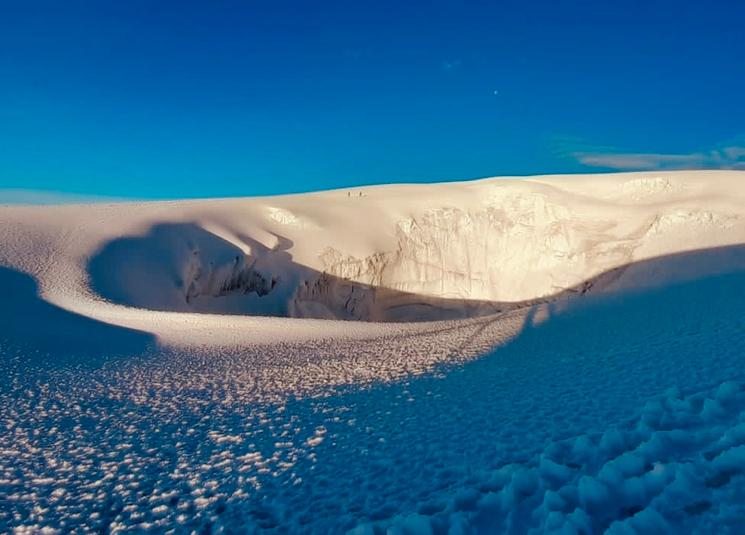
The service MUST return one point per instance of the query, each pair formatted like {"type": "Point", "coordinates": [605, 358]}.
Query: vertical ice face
{"type": "Point", "coordinates": [457, 251]}
{"type": "Point", "coordinates": [523, 249]}
{"type": "Point", "coordinates": [215, 280]}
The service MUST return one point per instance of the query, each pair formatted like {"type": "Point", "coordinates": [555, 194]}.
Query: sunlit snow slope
{"type": "Point", "coordinates": [380, 253]}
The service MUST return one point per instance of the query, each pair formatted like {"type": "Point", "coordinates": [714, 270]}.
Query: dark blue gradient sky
{"type": "Point", "coordinates": [182, 99]}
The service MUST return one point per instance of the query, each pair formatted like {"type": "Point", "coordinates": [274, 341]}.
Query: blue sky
{"type": "Point", "coordinates": [184, 99]}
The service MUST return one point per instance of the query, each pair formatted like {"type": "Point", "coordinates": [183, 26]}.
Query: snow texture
{"type": "Point", "coordinates": [128, 404]}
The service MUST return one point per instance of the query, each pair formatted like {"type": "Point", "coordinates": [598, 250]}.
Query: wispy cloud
{"type": "Point", "coordinates": [641, 161]}
{"type": "Point", "coordinates": [451, 65]}
{"type": "Point", "coordinates": [725, 156]}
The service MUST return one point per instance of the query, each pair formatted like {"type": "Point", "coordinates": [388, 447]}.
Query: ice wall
{"type": "Point", "coordinates": [502, 247]}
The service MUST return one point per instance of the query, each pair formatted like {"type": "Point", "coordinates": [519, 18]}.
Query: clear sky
{"type": "Point", "coordinates": [154, 99]}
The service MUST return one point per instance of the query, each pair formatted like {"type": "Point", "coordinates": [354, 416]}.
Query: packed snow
{"type": "Point", "coordinates": [184, 366]}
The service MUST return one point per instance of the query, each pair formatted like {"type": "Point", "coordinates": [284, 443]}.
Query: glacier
{"type": "Point", "coordinates": [539, 355]}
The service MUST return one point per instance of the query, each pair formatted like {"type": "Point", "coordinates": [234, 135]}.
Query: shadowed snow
{"type": "Point", "coordinates": [137, 395]}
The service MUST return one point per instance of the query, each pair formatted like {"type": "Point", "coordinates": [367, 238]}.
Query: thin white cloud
{"type": "Point", "coordinates": [724, 157]}
{"type": "Point", "coordinates": [451, 64]}
{"type": "Point", "coordinates": [640, 161]}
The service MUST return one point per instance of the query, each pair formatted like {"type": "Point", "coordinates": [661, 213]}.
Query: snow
{"type": "Point", "coordinates": [125, 406]}
{"type": "Point", "coordinates": [396, 253]}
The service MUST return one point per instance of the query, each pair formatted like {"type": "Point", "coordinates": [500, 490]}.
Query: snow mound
{"type": "Point", "coordinates": [390, 253]}
{"type": "Point", "coordinates": [450, 251]}
{"type": "Point", "coordinates": [678, 468]}
{"type": "Point", "coordinates": [182, 267]}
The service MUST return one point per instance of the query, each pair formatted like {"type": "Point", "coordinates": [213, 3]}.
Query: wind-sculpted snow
{"type": "Point", "coordinates": [502, 245]}
{"type": "Point", "coordinates": [612, 413]}
{"type": "Point", "coordinates": [186, 439]}
{"type": "Point", "coordinates": [179, 267]}
{"type": "Point", "coordinates": [599, 387]}
{"type": "Point", "coordinates": [678, 468]}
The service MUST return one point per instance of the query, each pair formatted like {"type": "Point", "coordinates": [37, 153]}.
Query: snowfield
{"type": "Point", "coordinates": [540, 355]}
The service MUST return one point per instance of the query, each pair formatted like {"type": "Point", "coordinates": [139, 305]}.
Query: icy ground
{"type": "Point", "coordinates": [624, 414]}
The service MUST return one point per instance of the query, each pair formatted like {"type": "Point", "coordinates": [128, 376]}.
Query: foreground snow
{"type": "Point", "coordinates": [615, 413]}
{"type": "Point", "coordinates": [622, 411]}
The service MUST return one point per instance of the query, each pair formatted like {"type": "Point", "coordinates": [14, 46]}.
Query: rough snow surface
{"type": "Point", "coordinates": [613, 414]}
{"type": "Point", "coordinates": [137, 395]}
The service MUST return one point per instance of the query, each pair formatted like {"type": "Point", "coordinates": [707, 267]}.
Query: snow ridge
{"type": "Point", "coordinates": [678, 468]}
